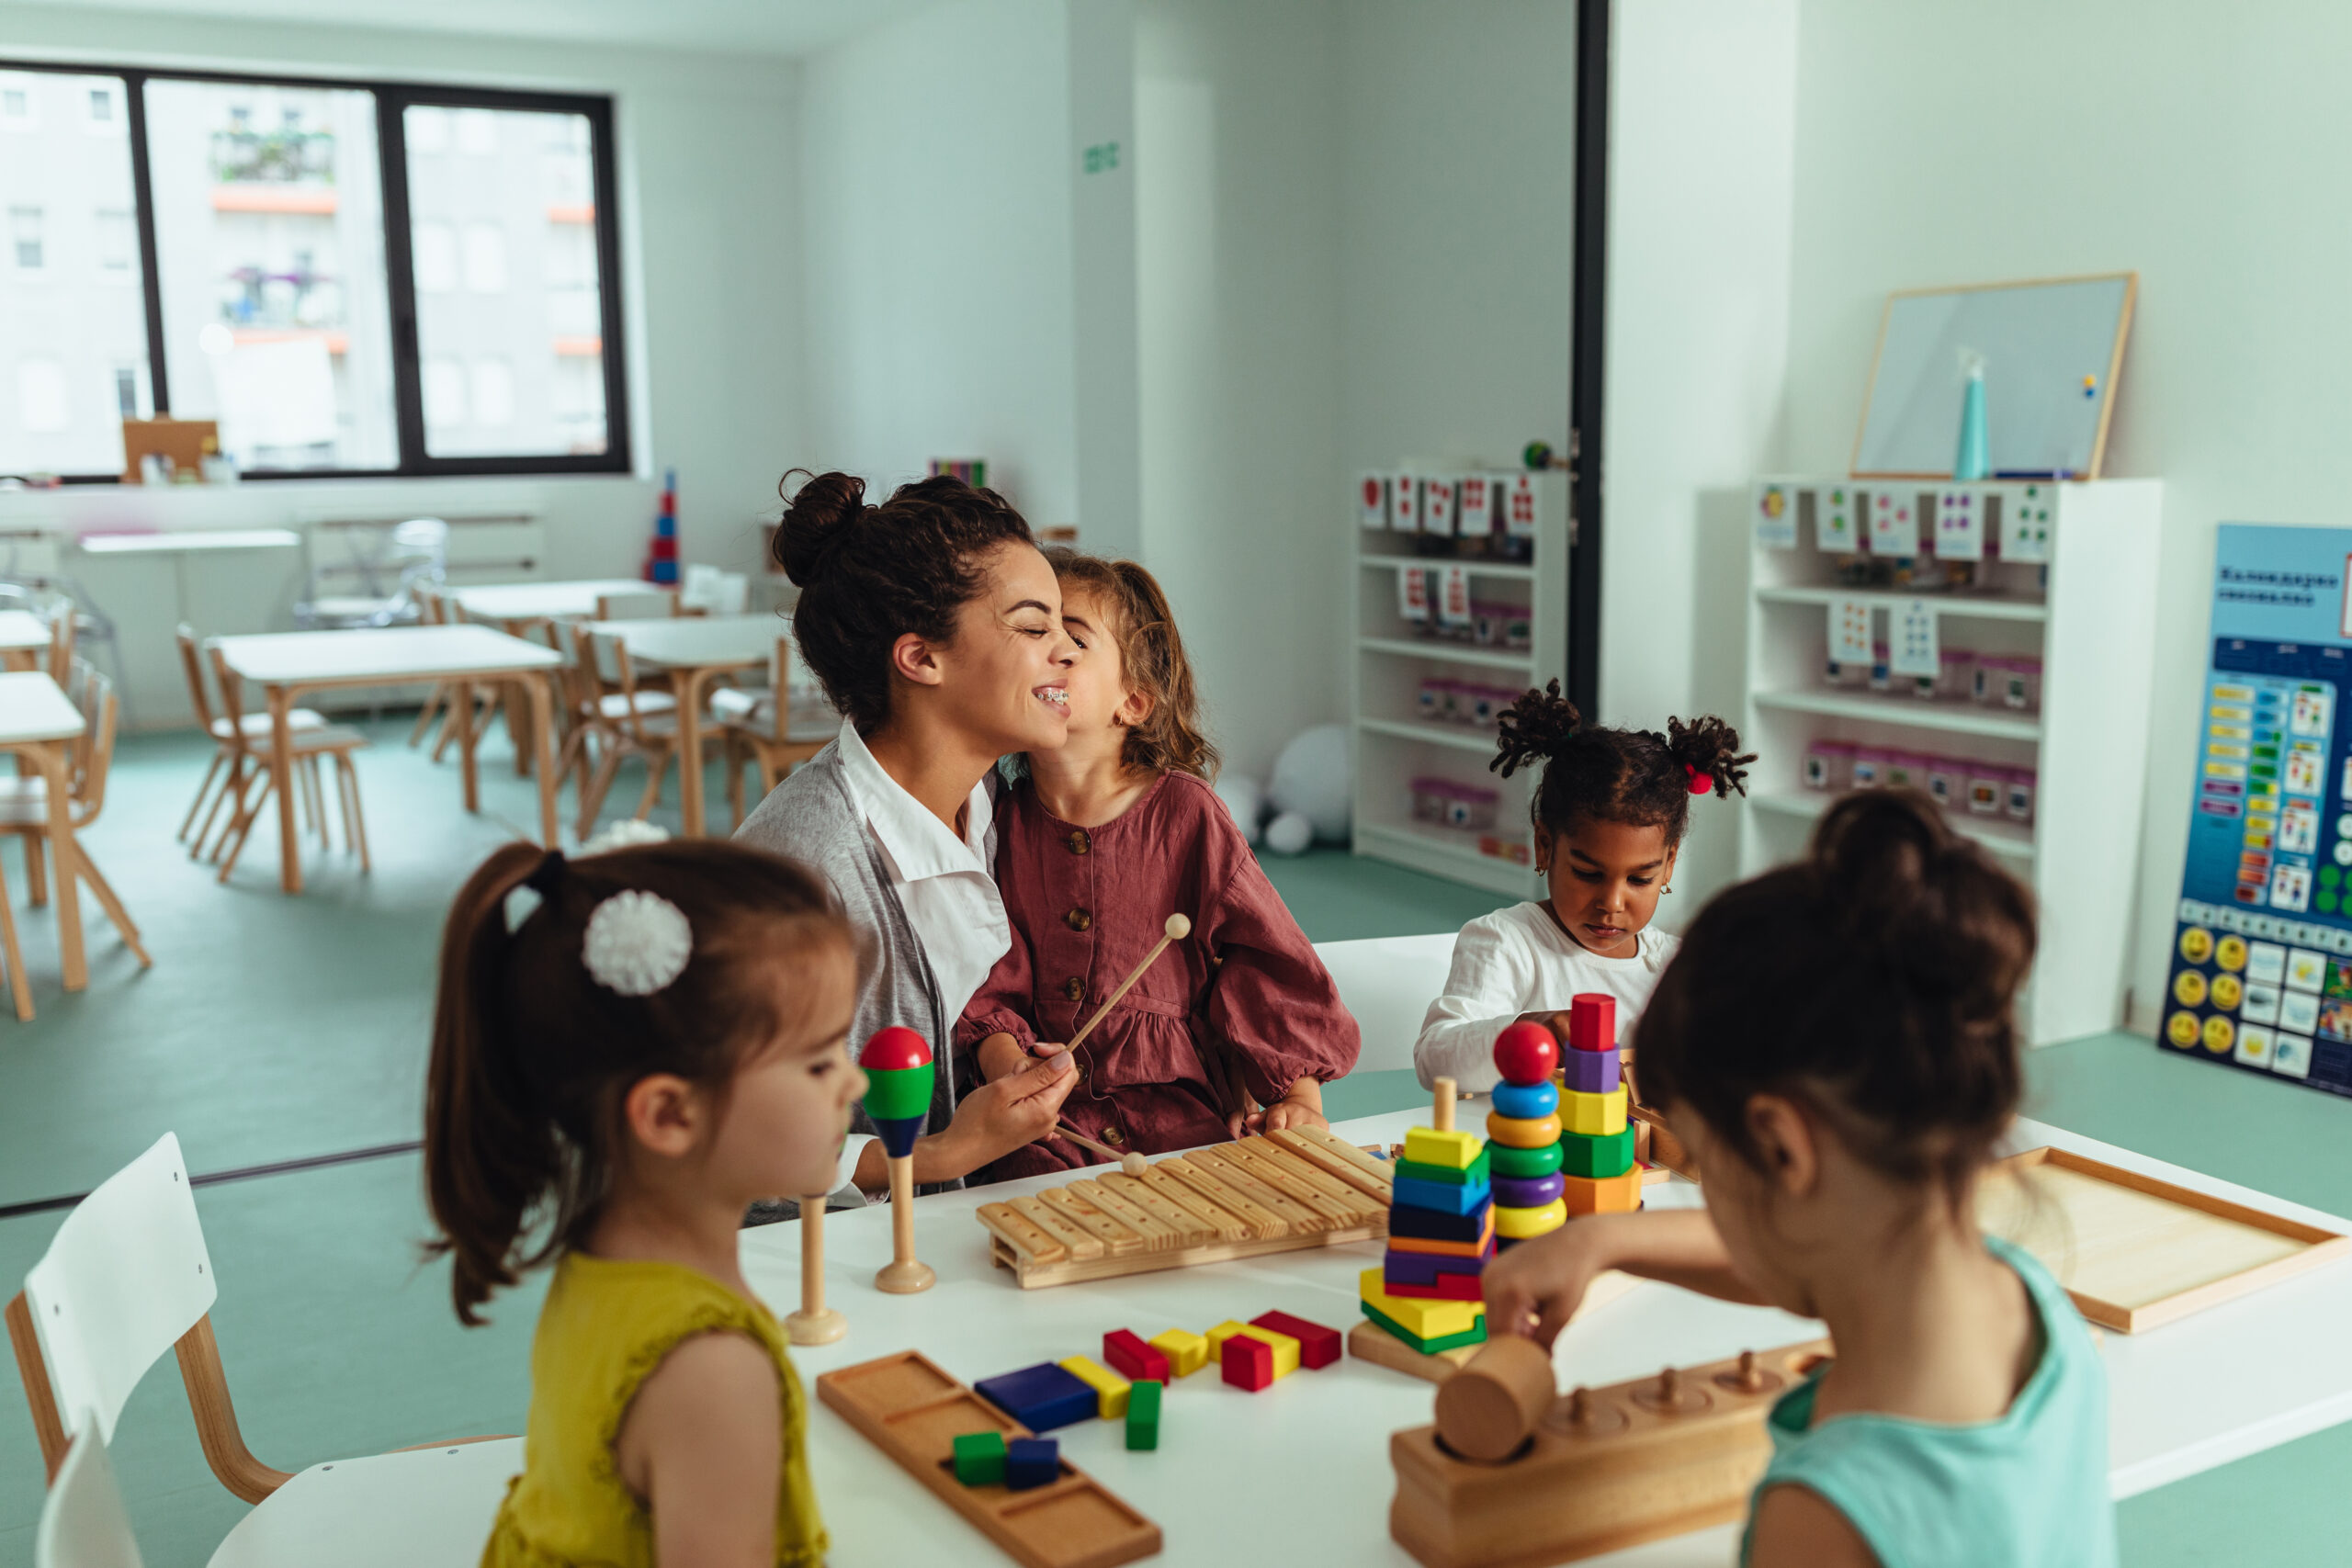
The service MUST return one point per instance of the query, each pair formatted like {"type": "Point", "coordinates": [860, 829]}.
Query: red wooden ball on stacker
{"type": "Point", "coordinates": [1526, 1053]}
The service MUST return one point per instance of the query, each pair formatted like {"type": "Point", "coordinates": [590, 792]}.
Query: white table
{"type": "Point", "coordinates": [285, 664]}
{"type": "Point", "coordinates": [692, 648]}
{"type": "Point", "coordinates": [38, 720]}
{"type": "Point", "coordinates": [512, 604]}
{"type": "Point", "coordinates": [190, 540]}
{"type": "Point", "coordinates": [1300, 1474]}
{"type": "Point", "coordinates": [22, 633]}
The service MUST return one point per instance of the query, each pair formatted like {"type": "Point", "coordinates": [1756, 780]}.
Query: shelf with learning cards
{"type": "Point", "coordinates": [2046, 592]}
{"type": "Point", "coordinates": [1457, 592]}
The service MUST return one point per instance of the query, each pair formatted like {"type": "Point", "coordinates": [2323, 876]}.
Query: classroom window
{"type": "Point", "coordinates": [350, 278]}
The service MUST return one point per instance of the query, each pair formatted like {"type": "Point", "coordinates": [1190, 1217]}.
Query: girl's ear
{"type": "Point", "coordinates": [914, 658]}
{"type": "Point", "coordinates": [1543, 851]}
{"type": "Point", "coordinates": [664, 1115]}
{"type": "Point", "coordinates": [1666, 873]}
{"type": "Point", "coordinates": [1786, 1141]}
{"type": "Point", "coordinates": [1132, 709]}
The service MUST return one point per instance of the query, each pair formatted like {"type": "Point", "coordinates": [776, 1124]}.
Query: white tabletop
{"type": "Point", "coordinates": [536, 601]}
{"type": "Point", "coordinates": [20, 630]}
{"type": "Point", "coordinates": [1300, 1474]}
{"type": "Point", "coordinates": [704, 641]}
{"type": "Point", "coordinates": [184, 540]}
{"type": "Point", "coordinates": [386, 654]}
{"type": "Point", "coordinates": [34, 707]}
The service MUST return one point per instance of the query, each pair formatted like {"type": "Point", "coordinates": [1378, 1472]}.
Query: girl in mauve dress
{"type": "Point", "coordinates": [1236, 1027]}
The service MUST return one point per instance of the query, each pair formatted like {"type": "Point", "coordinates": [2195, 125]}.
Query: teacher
{"type": "Point", "coordinates": [935, 627]}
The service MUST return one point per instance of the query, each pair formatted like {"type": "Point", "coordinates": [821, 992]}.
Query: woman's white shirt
{"type": "Point", "coordinates": [1518, 961]}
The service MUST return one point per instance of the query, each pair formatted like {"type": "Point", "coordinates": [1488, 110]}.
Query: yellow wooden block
{"type": "Point", "coordinates": [1523, 1133]}
{"type": "Point", "coordinates": [1424, 1317]}
{"type": "Point", "coordinates": [1218, 1335]}
{"type": "Point", "coordinates": [1187, 1352]}
{"type": "Point", "coordinates": [1456, 1150]}
{"type": "Point", "coordinates": [1285, 1348]}
{"type": "Point", "coordinates": [1594, 1116]}
{"type": "Point", "coordinates": [1110, 1388]}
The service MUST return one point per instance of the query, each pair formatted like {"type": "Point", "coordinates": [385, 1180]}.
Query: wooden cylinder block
{"type": "Point", "coordinates": [1489, 1408]}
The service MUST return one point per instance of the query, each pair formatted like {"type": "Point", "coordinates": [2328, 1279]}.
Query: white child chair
{"type": "Point", "coordinates": [82, 1523]}
{"type": "Point", "coordinates": [127, 1278]}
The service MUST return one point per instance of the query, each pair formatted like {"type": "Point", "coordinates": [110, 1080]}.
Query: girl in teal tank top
{"type": "Point", "coordinates": [1835, 1045]}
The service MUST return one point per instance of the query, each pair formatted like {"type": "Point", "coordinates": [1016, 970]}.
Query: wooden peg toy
{"type": "Point", "coordinates": [900, 1073]}
{"type": "Point", "coordinates": [1486, 1410]}
{"type": "Point", "coordinates": [1441, 1097]}
{"type": "Point", "coordinates": [1178, 928]}
{"type": "Point", "coordinates": [815, 1323]}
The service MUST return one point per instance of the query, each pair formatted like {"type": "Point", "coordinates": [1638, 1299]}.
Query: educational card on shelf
{"type": "Point", "coordinates": [1776, 516]}
{"type": "Point", "coordinates": [2261, 971]}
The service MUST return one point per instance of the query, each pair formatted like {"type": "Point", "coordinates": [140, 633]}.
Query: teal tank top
{"type": "Point", "coordinates": [2027, 1491]}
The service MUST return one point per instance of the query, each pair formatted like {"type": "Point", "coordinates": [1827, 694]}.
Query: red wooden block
{"type": "Point", "coordinates": [1132, 1359]}
{"type": "Point", "coordinates": [1448, 1288]}
{"type": "Point", "coordinates": [1247, 1362]}
{"type": "Point", "coordinates": [1593, 1022]}
{"type": "Point", "coordinates": [1318, 1347]}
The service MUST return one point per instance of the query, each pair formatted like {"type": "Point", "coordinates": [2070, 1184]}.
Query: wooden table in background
{"type": "Point", "coordinates": [691, 649]}
{"type": "Point", "coordinates": [38, 721]}
{"type": "Point", "coordinates": [285, 664]}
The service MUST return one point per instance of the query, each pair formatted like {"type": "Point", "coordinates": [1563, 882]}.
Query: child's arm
{"type": "Point", "coordinates": [1536, 1287]}
{"type": "Point", "coordinates": [703, 1445]}
{"type": "Point", "coordinates": [1796, 1526]}
{"type": "Point", "coordinates": [998, 1027]}
{"type": "Point", "coordinates": [1491, 981]}
{"type": "Point", "coordinates": [1302, 1107]}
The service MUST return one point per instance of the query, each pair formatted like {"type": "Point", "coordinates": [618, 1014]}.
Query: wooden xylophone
{"type": "Point", "coordinates": [1300, 1187]}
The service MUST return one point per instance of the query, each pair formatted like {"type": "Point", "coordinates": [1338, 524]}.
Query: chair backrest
{"type": "Point", "coordinates": [233, 694]}
{"type": "Point", "coordinates": [94, 694]}
{"type": "Point", "coordinates": [650, 604]}
{"type": "Point", "coordinates": [610, 661]}
{"type": "Point", "coordinates": [83, 1522]}
{"type": "Point", "coordinates": [1388, 983]}
{"type": "Point", "coordinates": [192, 666]}
{"type": "Point", "coordinates": [125, 1277]}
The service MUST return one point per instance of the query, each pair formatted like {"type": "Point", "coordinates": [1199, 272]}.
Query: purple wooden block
{"type": "Point", "coordinates": [1528, 1192]}
{"type": "Point", "coordinates": [1423, 1268]}
{"type": "Point", "coordinates": [1589, 1072]}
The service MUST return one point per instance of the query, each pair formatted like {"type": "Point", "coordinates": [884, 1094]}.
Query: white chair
{"type": "Point", "coordinates": [1388, 983]}
{"type": "Point", "coordinates": [82, 1523]}
{"type": "Point", "coordinates": [127, 1277]}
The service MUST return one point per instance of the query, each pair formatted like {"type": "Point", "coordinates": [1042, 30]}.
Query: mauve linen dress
{"type": "Point", "coordinates": [1086, 905]}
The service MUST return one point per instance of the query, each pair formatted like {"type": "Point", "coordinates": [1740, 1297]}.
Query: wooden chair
{"type": "Point", "coordinates": [627, 723]}
{"type": "Point", "coordinates": [225, 735]}
{"type": "Point", "coordinates": [759, 725]}
{"type": "Point", "coordinates": [252, 769]}
{"type": "Point", "coordinates": [127, 1277]}
{"type": "Point", "coordinates": [24, 804]}
{"type": "Point", "coordinates": [83, 1522]}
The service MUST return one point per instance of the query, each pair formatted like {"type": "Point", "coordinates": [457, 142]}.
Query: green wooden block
{"type": "Point", "coordinates": [894, 1093]}
{"type": "Point", "coordinates": [1581, 1154]}
{"type": "Point", "coordinates": [1143, 1414]}
{"type": "Point", "coordinates": [1473, 1335]}
{"type": "Point", "coordinates": [1524, 1163]}
{"type": "Point", "coordinates": [979, 1459]}
{"type": "Point", "coordinates": [1419, 1171]}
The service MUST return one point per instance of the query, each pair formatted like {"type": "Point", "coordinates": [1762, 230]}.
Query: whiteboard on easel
{"type": "Point", "coordinates": [2051, 352]}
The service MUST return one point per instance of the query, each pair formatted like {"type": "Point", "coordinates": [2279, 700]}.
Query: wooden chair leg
{"type": "Point", "coordinates": [113, 907]}
{"type": "Point", "coordinates": [257, 777]}
{"type": "Point", "coordinates": [36, 872]}
{"type": "Point", "coordinates": [244, 828]}
{"type": "Point", "coordinates": [47, 1427]}
{"type": "Point", "coordinates": [592, 798]}
{"type": "Point", "coordinates": [202, 791]}
{"type": "Point", "coordinates": [735, 781]}
{"type": "Point", "coordinates": [20, 990]}
{"type": "Point", "coordinates": [233, 787]}
{"type": "Point", "coordinates": [655, 764]}
{"type": "Point", "coordinates": [433, 701]}
{"type": "Point", "coordinates": [359, 829]}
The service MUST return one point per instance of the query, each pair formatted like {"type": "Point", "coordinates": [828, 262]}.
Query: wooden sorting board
{"type": "Point", "coordinates": [913, 1411]}
{"type": "Point", "coordinates": [1300, 1187]}
{"type": "Point", "coordinates": [2134, 1252]}
{"type": "Point", "coordinates": [1632, 1471]}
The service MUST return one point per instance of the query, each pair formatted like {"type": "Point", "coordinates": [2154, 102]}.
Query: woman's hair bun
{"type": "Point", "coordinates": [816, 517]}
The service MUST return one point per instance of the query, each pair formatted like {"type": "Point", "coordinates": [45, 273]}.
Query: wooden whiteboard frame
{"type": "Point", "coordinates": [2106, 404]}
{"type": "Point", "coordinates": [2320, 1246]}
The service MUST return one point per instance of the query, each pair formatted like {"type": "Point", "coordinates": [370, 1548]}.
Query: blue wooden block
{"type": "Point", "coordinates": [1442, 1197]}
{"type": "Point", "coordinates": [1526, 1101]}
{"type": "Point", "coordinates": [1032, 1461]}
{"type": "Point", "coordinates": [1436, 1224]}
{"type": "Point", "coordinates": [1041, 1397]}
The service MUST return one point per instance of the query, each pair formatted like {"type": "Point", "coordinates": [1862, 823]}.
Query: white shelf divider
{"type": "Point", "coordinates": [1460, 736]}
{"type": "Point", "coordinates": [1447, 652]}
{"type": "Point", "coordinates": [2090, 615]}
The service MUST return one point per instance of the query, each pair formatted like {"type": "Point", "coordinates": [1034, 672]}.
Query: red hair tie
{"type": "Point", "coordinates": [1700, 783]}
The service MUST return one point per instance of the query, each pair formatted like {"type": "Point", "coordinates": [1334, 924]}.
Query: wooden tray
{"type": "Point", "coordinates": [1300, 1187]}
{"type": "Point", "coordinates": [911, 1409]}
{"type": "Point", "coordinates": [2135, 1252]}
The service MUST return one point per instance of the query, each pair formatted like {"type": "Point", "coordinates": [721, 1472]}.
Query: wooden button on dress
{"type": "Point", "coordinates": [1112, 1135]}
{"type": "Point", "coordinates": [1078, 842]}
{"type": "Point", "coordinates": [1073, 987]}
{"type": "Point", "coordinates": [1078, 920]}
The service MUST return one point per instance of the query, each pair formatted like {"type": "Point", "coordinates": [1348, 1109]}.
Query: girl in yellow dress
{"type": "Point", "coordinates": [628, 1048]}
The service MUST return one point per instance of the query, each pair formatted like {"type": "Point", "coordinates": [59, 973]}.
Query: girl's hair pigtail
{"type": "Point", "coordinates": [1709, 749]}
{"type": "Point", "coordinates": [490, 1152]}
{"type": "Point", "coordinates": [1537, 727]}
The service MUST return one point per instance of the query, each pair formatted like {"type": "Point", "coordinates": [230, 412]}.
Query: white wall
{"type": "Point", "coordinates": [709, 265]}
{"type": "Point", "coordinates": [1701, 101]}
{"type": "Point", "coordinates": [1953, 144]}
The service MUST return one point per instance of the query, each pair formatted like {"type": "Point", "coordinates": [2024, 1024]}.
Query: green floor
{"type": "Point", "coordinates": [273, 1029]}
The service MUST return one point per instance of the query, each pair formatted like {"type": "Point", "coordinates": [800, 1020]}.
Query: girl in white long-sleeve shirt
{"type": "Point", "coordinates": [1610, 814]}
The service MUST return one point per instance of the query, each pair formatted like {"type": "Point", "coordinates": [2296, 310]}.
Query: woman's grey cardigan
{"type": "Point", "coordinates": [811, 817]}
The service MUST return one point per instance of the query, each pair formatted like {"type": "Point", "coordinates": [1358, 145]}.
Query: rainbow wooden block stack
{"type": "Point", "coordinates": [1441, 1234]}
{"type": "Point", "coordinates": [1524, 1130]}
{"type": "Point", "coordinates": [1597, 1169]}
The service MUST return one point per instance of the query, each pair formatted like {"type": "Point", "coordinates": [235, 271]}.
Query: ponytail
{"type": "Point", "coordinates": [1708, 748]}
{"type": "Point", "coordinates": [1635, 777]}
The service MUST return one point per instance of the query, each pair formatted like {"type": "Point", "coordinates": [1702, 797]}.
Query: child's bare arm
{"type": "Point", "coordinates": [1536, 1287]}
{"type": "Point", "coordinates": [1796, 1527]}
{"type": "Point", "coordinates": [1302, 1107]}
{"type": "Point", "coordinates": [703, 1445]}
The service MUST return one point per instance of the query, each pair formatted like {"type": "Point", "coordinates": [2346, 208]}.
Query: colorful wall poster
{"type": "Point", "coordinates": [2261, 973]}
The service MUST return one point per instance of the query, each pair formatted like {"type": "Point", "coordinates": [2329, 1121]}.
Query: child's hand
{"type": "Point", "coordinates": [1536, 1287]}
{"type": "Point", "coordinates": [1302, 1107]}
{"type": "Point", "coordinates": [1556, 1021]}
{"type": "Point", "coordinates": [999, 1054]}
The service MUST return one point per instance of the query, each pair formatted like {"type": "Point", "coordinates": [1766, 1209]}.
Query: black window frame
{"type": "Point", "coordinates": [393, 98]}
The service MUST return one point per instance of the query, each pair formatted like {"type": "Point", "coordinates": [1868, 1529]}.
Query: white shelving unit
{"type": "Point", "coordinates": [2089, 615]}
{"type": "Point", "coordinates": [1394, 743]}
